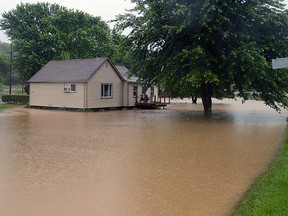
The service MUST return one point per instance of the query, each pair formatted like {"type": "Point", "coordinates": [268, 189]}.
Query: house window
{"type": "Point", "coordinates": [106, 91]}
{"type": "Point", "coordinates": [135, 91]}
{"type": "Point", "coordinates": [69, 87]}
{"type": "Point", "coordinates": [152, 91]}
{"type": "Point", "coordinates": [73, 87]}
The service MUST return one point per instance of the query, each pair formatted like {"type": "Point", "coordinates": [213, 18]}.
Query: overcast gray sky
{"type": "Point", "coordinates": [107, 9]}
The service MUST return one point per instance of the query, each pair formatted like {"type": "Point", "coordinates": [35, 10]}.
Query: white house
{"type": "Point", "coordinates": [85, 84]}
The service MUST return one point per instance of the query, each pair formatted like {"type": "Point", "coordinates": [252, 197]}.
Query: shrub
{"type": "Point", "coordinates": [62, 108]}
{"type": "Point", "coordinates": [15, 99]}
{"type": "Point", "coordinates": [84, 110]}
{"type": "Point", "coordinates": [26, 89]}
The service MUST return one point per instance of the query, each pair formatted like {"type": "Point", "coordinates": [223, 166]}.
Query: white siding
{"type": "Point", "coordinates": [53, 95]}
{"type": "Point", "coordinates": [155, 95]}
{"type": "Point", "coordinates": [132, 98]}
{"type": "Point", "coordinates": [105, 75]}
{"type": "Point", "coordinates": [125, 94]}
{"type": "Point", "coordinates": [148, 93]}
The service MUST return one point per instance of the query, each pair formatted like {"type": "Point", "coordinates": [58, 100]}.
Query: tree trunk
{"type": "Point", "coordinates": [194, 99]}
{"type": "Point", "coordinates": [206, 95]}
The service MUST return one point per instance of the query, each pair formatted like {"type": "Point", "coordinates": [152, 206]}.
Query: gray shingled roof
{"type": "Point", "coordinates": [78, 70]}
{"type": "Point", "coordinates": [124, 73]}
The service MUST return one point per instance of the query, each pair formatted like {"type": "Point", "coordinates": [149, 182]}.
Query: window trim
{"type": "Point", "coordinates": [110, 90]}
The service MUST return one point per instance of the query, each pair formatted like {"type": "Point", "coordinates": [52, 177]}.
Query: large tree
{"type": "Point", "coordinates": [42, 32]}
{"type": "Point", "coordinates": [214, 48]}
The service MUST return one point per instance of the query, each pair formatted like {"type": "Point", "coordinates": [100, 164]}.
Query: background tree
{"type": "Point", "coordinates": [218, 48]}
{"type": "Point", "coordinates": [5, 48]}
{"type": "Point", "coordinates": [5, 64]}
{"type": "Point", "coordinates": [120, 48]}
{"type": "Point", "coordinates": [4, 68]}
{"type": "Point", "coordinates": [41, 32]}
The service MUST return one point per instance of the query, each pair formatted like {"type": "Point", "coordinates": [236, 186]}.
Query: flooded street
{"type": "Point", "coordinates": [171, 162]}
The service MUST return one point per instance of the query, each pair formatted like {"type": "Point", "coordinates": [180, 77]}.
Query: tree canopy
{"type": "Point", "coordinates": [42, 32]}
{"type": "Point", "coordinates": [219, 48]}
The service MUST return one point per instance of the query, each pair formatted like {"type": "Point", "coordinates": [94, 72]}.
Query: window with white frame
{"type": "Point", "coordinates": [69, 87]}
{"type": "Point", "coordinates": [106, 90]}
{"type": "Point", "coordinates": [135, 91]}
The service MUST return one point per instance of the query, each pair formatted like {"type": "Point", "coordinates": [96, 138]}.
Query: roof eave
{"type": "Point", "coordinates": [61, 81]}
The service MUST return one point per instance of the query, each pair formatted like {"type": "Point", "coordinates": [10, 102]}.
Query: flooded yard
{"type": "Point", "coordinates": [171, 162]}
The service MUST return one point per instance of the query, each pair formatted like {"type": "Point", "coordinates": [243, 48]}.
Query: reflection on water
{"type": "Point", "coordinates": [172, 162]}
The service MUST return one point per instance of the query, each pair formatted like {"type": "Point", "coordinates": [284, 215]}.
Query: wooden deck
{"type": "Point", "coordinates": [153, 102]}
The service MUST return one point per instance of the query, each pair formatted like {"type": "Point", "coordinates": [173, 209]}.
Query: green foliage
{"type": "Point", "coordinates": [120, 55]}
{"type": "Point", "coordinates": [113, 108]}
{"type": "Point", "coordinates": [41, 32]}
{"type": "Point", "coordinates": [15, 99]}
{"type": "Point", "coordinates": [4, 67]}
{"type": "Point", "coordinates": [211, 48]}
{"type": "Point", "coordinates": [78, 35]}
{"type": "Point", "coordinates": [84, 110]}
{"type": "Point", "coordinates": [27, 89]}
{"type": "Point", "coordinates": [62, 108]}
{"type": "Point", "coordinates": [4, 62]}
{"type": "Point", "coordinates": [5, 48]}
{"type": "Point", "coordinates": [269, 194]}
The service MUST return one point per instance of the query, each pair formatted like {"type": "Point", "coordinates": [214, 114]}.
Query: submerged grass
{"type": "Point", "coordinates": [6, 106]}
{"type": "Point", "coordinates": [269, 195]}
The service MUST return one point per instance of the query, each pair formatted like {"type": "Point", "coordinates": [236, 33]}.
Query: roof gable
{"type": "Point", "coordinates": [124, 73]}
{"type": "Point", "coordinates": [77, 70]}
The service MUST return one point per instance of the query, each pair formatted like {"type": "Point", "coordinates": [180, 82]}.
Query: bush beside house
{"type": "Point", "coordinates": [15, 99]}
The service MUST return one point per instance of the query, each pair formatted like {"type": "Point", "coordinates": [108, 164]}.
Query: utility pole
{"type": "Point", "coordinates": [10, 75]}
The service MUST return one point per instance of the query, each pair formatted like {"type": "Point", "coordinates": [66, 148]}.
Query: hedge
{"type": "Point", "coordinates": [15, 99]}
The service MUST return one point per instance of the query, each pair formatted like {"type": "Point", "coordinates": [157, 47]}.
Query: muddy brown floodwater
{"type": "Point", "coordinates": [172, 162]}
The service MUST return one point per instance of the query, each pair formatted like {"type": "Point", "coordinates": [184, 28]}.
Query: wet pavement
{"type": "Point", "coordinates": [172, 162]}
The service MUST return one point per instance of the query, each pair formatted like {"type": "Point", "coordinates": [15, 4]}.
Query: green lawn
{"type": "Point", "coordinates": [269, 195]}
{"type": "Point", "coordinates": [6, 106]}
